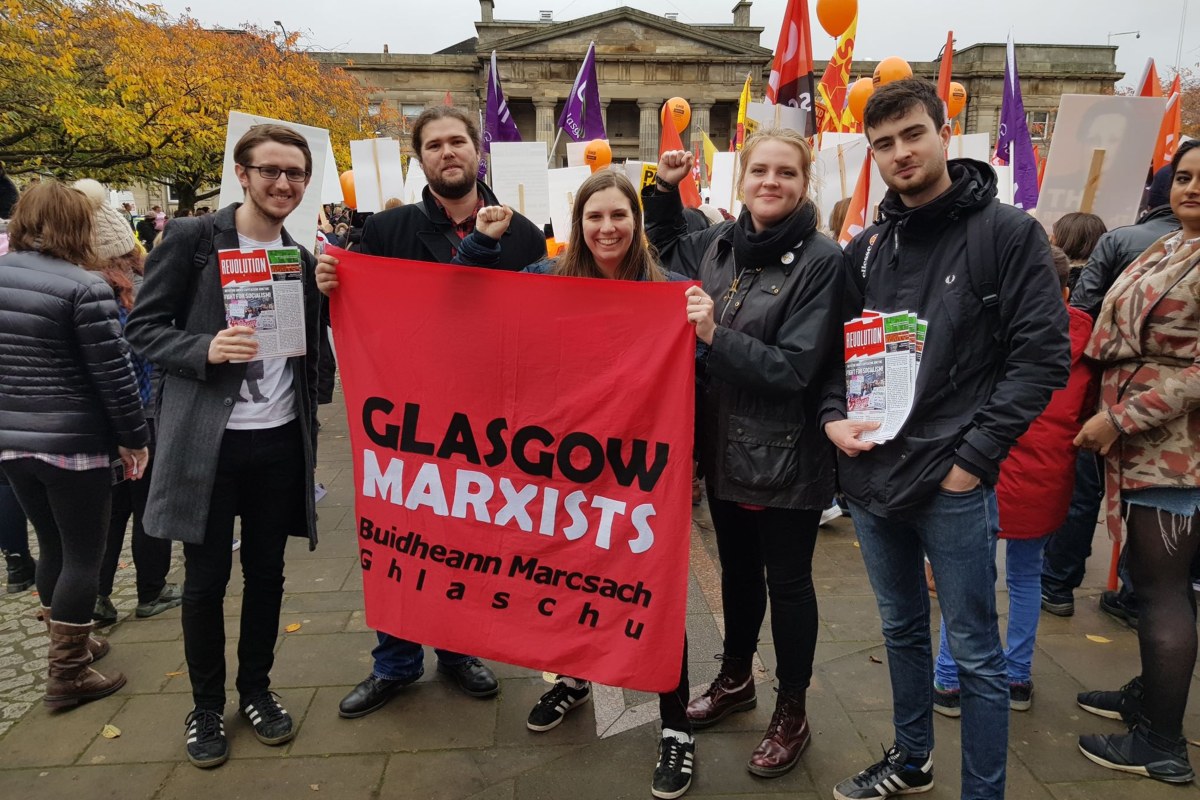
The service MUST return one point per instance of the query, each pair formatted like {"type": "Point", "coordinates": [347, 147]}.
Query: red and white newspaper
{"type": "Point", "coordinates": [264, 290]}
{"type": "Point", "coordinates": [882, 353]}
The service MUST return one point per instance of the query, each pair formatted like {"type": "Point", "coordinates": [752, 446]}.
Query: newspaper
{"type": "Point", "coordinates": [882, 352]}
{"type": "Point", "coordinates": [264, 290]}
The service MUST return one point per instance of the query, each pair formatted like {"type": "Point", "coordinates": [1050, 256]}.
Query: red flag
{"type": "Point", "coordinates": [831, 91]}
{"type": "Point", "coordinates": [945, 73]}
{"type": "Point", "coordinates": [1150, 86]}
{"type": "Point", "coordinates": [856, 214]}
{"type": "Point", "coordinates": [1171, 128]}
{"type": "Point", "coordinates": [792, 82]}
{"type": "Point", "coordinates": [531, 520]}
{"type": "Point", "coordinates": [688, 192]}
{"type": "Point", "coordinates": [448, 100]}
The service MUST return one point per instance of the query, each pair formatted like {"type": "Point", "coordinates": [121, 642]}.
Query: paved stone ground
{"type": "Point", "coordinates": [432, 742]}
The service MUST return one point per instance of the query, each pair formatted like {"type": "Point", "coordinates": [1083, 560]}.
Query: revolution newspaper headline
{"type": "Point", "coordinates": [883, 354]}
{"type": "Point", "coordinates": [264, 289]}
{"type": "Point", "coordinates": [522, 451]}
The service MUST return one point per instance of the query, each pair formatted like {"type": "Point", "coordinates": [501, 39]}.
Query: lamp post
{"type": "Point", "coordinates": [285, 33]}
{"type": "Point", "coordinates": [1134, 34]}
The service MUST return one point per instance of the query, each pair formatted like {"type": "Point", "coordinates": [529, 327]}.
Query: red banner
{"type": "Point", "coordinates": [792, 82]}
{"type": "Point", "coordinates": [522, 461]}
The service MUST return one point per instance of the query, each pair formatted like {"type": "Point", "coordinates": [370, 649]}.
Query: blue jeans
{"type": "Point", "coordinates": [957, 532]}
{"type": "Point", "coordinates": [1023, 575]}
{"type": "Point", "coordinates": [399, 659]}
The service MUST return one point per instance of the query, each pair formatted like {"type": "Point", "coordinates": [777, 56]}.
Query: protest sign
{"type": "Point", "coordinates": [301, 223]}
{"type": "Point", "coordinates": [522, 453]}
{"type": "Point", "coordinates": [575, 151]}
{"type": "Point", "coordinates": [520, 179]}
{"type": "Point", "coordinates": [331, 187]}
{"type": "Point", "coordinates": [972, 145]}
{"type": "Point", "coordinates": [1122, 130]}
{"type": "Point", "coordinates": [378, 172]}
{"type": "Point", "coordinates": [722, 187]}
{"type": "Point", "coordinates": [564, 185]}
{"type": "Point", "coordinates": [414, 182]}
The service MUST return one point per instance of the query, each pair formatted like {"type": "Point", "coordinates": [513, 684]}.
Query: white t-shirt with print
{"type": "Point", "coordinates": [265, 399]}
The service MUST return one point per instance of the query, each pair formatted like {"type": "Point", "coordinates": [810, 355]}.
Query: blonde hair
{"type": "Point", "coordinates": [55, 220]}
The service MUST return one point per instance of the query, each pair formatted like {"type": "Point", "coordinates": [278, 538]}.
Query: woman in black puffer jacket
{"type": "Point", "coordinates": [68, 404]}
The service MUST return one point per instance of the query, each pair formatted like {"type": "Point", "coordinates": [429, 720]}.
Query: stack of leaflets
{"type": "Point", "coordinates": [264, 290]}
{"type": "Point", "coordinates": [883, 354]}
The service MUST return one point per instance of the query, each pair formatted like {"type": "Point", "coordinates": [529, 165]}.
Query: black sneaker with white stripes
{"type": "Point", "coordinates": [673, 773]}
{"type": "Point", "coordinates": [555, 704]}
{"type": "Point", "coordinates": [207, 746]}
{"type": "Point", "coordinates": [893, 775]}
{"type": "Point", "coordinates": [272, 724]}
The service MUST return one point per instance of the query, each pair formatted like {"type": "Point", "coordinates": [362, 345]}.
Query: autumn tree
{"type": "Point", "coordinates": [119, 91]}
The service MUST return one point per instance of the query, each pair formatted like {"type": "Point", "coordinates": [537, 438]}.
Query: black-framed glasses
{"type": "Point", "coordinates": [272, 173]}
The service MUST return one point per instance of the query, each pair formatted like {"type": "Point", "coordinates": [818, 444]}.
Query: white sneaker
{"type": "Point", "coordinates": [237, 543]}
{"type": "Point", "coordinates": [830, 514]}
{"type": "Point", "coordinates": [319, 491]}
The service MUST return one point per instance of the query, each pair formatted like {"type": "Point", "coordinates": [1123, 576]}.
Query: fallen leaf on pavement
{"type": "Point", "coordinates": [875, 659]}
{"type": "Point", "coordinates": [176, 674]}
{"type": "Point", "coordinates": [110, 732]}
{"type": "Point", "coordinates": [1098, 639]}
{"type": "Point", "coordinates": [295, 626]}
{"type": "Point", "coordinates": [316, 787]}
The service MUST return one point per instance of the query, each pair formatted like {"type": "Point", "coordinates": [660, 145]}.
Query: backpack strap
{"type": "Point", "coordinates": [983, 266]}
{"type": "Point", "coordinates": [447, 233]}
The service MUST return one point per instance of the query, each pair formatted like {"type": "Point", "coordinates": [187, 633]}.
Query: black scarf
{"type": "Point", "coordinates": [753, 248]}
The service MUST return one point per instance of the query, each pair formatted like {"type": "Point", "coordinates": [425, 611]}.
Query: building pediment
{"type": "Point", "coordinates": [623, 32]}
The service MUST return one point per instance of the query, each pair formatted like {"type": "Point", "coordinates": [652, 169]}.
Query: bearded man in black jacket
{"type": "Point", "coordinates": [995, 350]}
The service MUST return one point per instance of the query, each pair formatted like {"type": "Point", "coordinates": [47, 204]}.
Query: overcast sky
{"type": "Point", "coordinates": [912, 29]}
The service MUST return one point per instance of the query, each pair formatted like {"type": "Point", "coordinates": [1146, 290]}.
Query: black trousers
{"type": "Point", "coordinates": [151, 556]}
{"type": "Point", "coordinates": [672, 706]}
{"type": "Point", "coordinates": [769, 553]}
{"type": "Point", "coordinates": [69, 511]}
{"type": "Point", "coordinates": [260, 478]}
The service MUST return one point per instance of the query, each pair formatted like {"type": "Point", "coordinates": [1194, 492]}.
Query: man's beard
{"type": "Point", "coordinates": [453, 190]}
{"type": "Point", "coordinates": [261, 210]}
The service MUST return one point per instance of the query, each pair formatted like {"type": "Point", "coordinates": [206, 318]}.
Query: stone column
{"type": "Point", "coordinates": [545, 121]}
{"type": "Point", "coordinates": [648, 131]}
{"type": "Point", "coordinates": [700, 121]}
{"type": "Point", "coordinates": [604, 114]}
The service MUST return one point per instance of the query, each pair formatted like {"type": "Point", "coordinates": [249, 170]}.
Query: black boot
{"type": "Point", "coordinates": [1142, 752]}
{"type": "Point", "coordinates": [21, 569]}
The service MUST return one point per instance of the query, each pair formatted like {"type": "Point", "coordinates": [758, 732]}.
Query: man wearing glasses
{"type": "Point", "coordinates": [234, 438]}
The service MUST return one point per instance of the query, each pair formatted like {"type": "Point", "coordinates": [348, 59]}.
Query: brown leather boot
{"type": "Point", "coordinates": [99, 648]}
{"type": "Point", "coordinates": [732, 690]}
{"type": "Point", "coordinates": [71, 681]}
{"type": "Point", "coordinates": [786, 738]}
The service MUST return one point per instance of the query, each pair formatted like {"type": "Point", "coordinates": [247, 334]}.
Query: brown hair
{"type": "Point", "coordinates": [639, 262]}
{"type": "Point", "coordinates": [1077, 233]}
{"type": "Point", "coordinates": [444, 112]}
{"type": "Point", "coordinates": [55, 220]}
{"type": "Point", "coordinates": [894, 100]}
{"type": "Point", "coordinates": [120, 271]}
{"type": "Point", "coordinates": [837, 217]}
{"type": "Point", "coordinates": [270, 133]}
{"type": "Point", "coordinates": [785, 135]}
{"type": "Point", "coordinates": [1062, 265]}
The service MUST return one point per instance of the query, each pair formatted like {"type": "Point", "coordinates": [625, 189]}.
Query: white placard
{"type": "Point", "coordinates": [519, 171]}
{"type": "Point", "coordinates": [1004, 184]}
{"type": "Point", "coordinates": [563, 187]}
{"type": "Point", "coordinates": [414, 183]}
{"type": "Point", "coordinates": [575, 154]}
{"type": "Point", "coordinates": [769, 115]}
{"type": "Point", "coordinates": [835, 172]}
{"type": "Point", "coordinates": [378, 172]}
{"type": "Point", "coordinates": [331, 187]}
{"type": "Point", "coordinates": [1126, 129]}
{"type": "Point", "coordinates": [722, 183]}
{"type": "Point", "coordinates": [833, 139]}
{"type": "Point", "coordinates": [972, 145]}
{"type": "Point", "coordinates": [301, 223]}
{"type": "Point", "coordinates": [633, 171]}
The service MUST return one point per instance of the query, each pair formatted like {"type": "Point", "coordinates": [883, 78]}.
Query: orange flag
{"type": "Point", "coordinates": [856, 214]}
{"type": "Point", "coordinates": [1150, 86]}
{"type": "Point", "coordinates": [688, 191]}
{"type": "Point", "coordinates": [1171, 128]}
{"type": "Point", "coordinates": [831, 91]}
{"type": "Point", "coordinates": [945, 73]}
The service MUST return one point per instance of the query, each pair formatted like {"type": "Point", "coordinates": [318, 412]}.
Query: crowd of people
{"type": "Point", "coordinates": [1049, 363]}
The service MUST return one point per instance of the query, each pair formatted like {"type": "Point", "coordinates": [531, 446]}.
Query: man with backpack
{"type": "Point", "coordinates": [996, 348]}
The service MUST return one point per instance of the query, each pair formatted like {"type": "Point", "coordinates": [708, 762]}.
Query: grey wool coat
{"type": "Point", "coordinates": [178, 311]}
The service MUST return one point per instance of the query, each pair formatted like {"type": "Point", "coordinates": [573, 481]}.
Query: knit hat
{"type": "Point", "coordinates": [1160, 188]}
{"type": "Point", "coordinates": [111, 235]}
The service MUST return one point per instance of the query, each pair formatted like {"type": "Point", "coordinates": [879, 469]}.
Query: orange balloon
{"type": "Point", "coordinates": [597, 154]}
{"type": "Point", "coordinates": [679, 111]}
{"type": "Point", "coordinates": [958, 98]}
{"type": "Point", "coordinates": [892, 68]}
{"type": "Point", "coordinates": [347, 181]}
{"type": "Point", "coordinates": [860, 92]}
{"type": "Point", "coordinates": [835, 16]}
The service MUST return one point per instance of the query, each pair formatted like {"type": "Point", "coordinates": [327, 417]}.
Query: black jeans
{"type": "Point", "coordinates": [14, 528]}
{"type": "Point", "coordinates": [260, 478]}
{"type": "Point", "coordinates": [69, 510]}
{"type": "Point", "coordinates": [151, 557]}
{"type": "Point", "coordinates": [778, 542]}
{"type": "Point", "coordinates": [672, 706]}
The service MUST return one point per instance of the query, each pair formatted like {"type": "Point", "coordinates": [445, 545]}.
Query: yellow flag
{"type": "Point", "coordinates": [710, 150]}
{"type": "Point", "coordinates": [745, 125]}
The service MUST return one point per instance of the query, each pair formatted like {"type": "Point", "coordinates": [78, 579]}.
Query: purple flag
{"type": "Point", "coordinates": [1013, 144]}
{"type": "Point", "coordinates": [581, 118]}
{"type": "Point", "coordinates": [498, 122]}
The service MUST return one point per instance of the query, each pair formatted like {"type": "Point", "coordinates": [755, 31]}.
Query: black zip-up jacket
{"type": "Point", "coordinates": [66, 383]}
{"type": "Point", "coordinates": [407, 232]}
{"type": "Point", "coordinates": [1115, 251]}
{"type": "Point", "coordinates": [972, 402]}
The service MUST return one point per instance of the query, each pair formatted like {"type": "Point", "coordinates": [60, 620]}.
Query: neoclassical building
{"type": "Point", "coordinates": [643, 59]}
